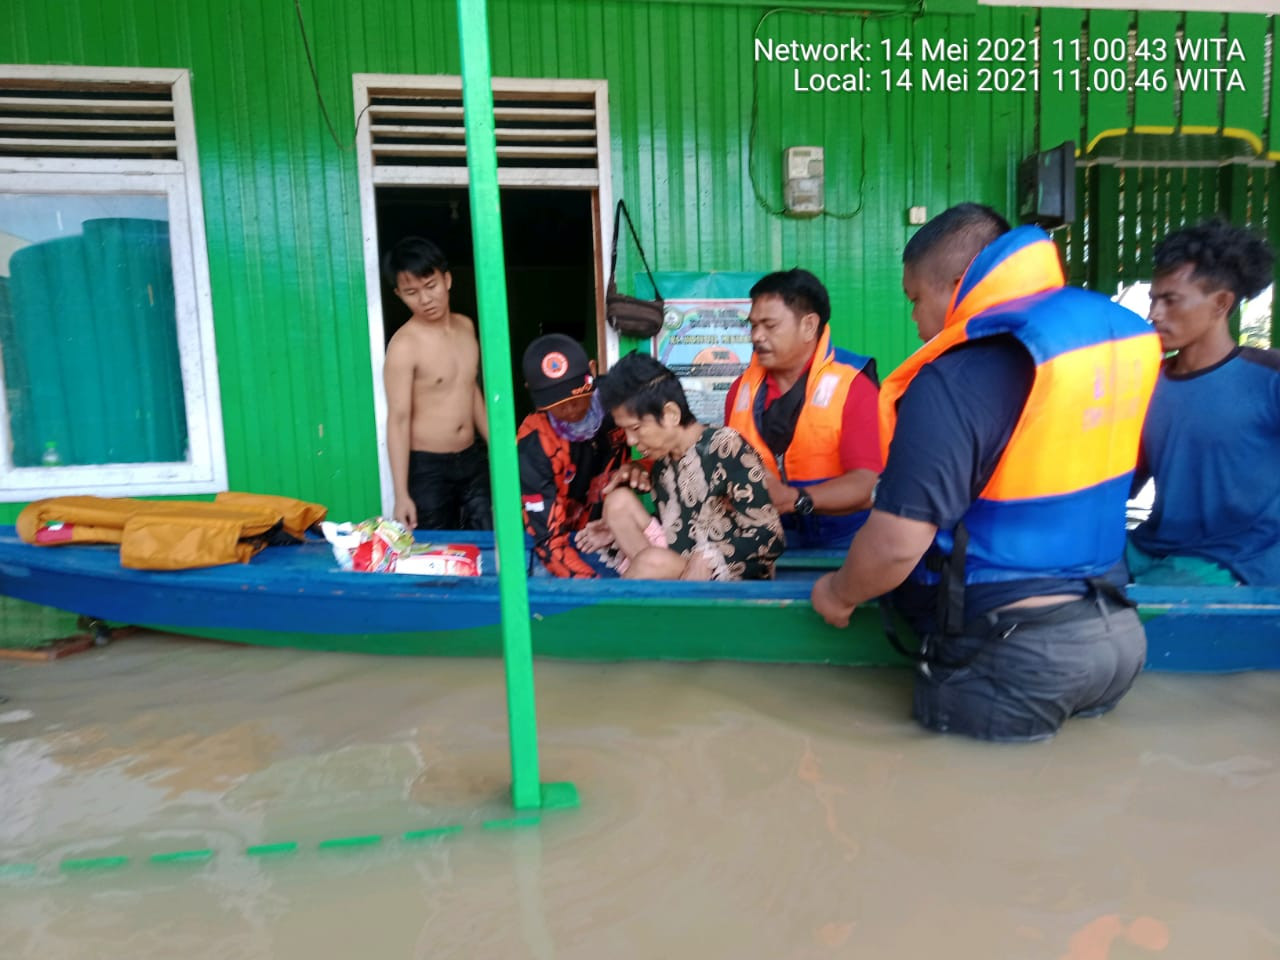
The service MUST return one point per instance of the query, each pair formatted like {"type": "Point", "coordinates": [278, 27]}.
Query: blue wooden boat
{"type": "Point", "coordinates": [297, 597]}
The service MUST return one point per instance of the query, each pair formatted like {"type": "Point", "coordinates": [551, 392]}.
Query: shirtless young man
{"type": "Point", "coordinates": [434, 404]}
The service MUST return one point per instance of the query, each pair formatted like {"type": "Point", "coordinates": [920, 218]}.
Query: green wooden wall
{"type": "Point", "coordinates": [697, 126]}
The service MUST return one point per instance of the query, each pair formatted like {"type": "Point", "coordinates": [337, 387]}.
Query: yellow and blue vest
{"type": "Point", "coordinates": [1055, 503]}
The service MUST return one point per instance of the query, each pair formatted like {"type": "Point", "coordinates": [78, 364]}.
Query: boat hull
{"type": "Point", "coordinates": [295, 597]}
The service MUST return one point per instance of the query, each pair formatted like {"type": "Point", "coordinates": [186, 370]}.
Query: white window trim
{"type": "Point", "coordinates": [206, 469]}
{"type": "Point", "coordinates": [597, 181]}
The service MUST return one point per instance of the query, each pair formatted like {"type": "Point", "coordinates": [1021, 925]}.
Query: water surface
{"type": "Point", "coordinates": [728, 811]}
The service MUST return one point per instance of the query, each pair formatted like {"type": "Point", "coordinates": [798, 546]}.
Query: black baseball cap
{"type": "Point", "coordinates": [556, 369]}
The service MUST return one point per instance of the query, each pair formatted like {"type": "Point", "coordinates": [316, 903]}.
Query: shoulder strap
{"type": "Point", "coordinates": [618, 214]}
{"type": "Point", "coordinates": [951, 618]}
{"type": "Point", "coordinates": [950, 606]}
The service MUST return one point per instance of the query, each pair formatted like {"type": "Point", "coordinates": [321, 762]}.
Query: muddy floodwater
{"type": "Point", "coordinates": [728, 811]}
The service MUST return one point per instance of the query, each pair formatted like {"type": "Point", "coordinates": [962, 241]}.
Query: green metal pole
{"type": "Point", "coordinates": [495, 352]}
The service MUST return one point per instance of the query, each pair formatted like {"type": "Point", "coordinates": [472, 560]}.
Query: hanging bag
{"type": "Point", "coordinates": [631, 316]}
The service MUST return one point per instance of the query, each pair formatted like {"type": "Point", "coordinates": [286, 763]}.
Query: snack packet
{"type": "Point", "coordinates": [441, 560]}
{"type": "Point", "coordinates": [379, 545]}
{"type": "Point", "coordinates": [371, 546]}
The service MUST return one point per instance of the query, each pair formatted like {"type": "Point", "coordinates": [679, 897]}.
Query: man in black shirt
{"type": "Point", "coordinates": [1027, 625]}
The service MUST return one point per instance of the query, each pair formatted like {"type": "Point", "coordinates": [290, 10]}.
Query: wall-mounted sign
{"type": "Point", "coordinates": [705, 338]}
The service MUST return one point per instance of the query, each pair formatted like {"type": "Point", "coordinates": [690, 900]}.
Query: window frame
{"type": "Point", "coordinates": [205, 469]}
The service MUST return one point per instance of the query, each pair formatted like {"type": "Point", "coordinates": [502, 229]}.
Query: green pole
{"type": "Point", "coordinates": [495, 352]}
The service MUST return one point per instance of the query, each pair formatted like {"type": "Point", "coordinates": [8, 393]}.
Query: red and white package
{"type": "Point", "coordinates": [373, 556]}
{"type": "Point", "coordinates": [441, 560]}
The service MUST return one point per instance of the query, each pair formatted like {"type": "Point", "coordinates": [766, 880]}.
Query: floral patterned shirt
{"type": "Point", "coordinates": [714, 500]}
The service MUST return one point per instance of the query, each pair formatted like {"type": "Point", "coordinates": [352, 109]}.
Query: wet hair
{"type": "Point", "coordinates": [800, 290]}
{"type": "Point", "coordinates": [642, 386]}
{"type": "Point", "coordinates": [414, 255]}
{"type": "Point", "coordinates": [952, 239]}
{"type": "Point", "coordinates": [1223, 257]}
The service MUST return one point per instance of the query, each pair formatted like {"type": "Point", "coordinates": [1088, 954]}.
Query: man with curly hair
{"type": "Point", "coordinates": [1211, 441]}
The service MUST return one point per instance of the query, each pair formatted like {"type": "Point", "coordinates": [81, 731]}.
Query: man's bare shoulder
{"type": "Point", "coordinates": [463, 324]}
{"type": "Point", "coordinates": [415, 337]}
{"type": "Point", "coordinates": [405, 336]}
{"type": "Point", "coordinates": [401, 347]}
{"type": "Point", "coordinates": [465, 341]}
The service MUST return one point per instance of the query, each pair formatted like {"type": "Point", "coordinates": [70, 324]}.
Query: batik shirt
{"type": "Point", "coordinates": [714, 500]}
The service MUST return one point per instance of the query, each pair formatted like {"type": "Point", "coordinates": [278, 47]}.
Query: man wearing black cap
{"type": "Point", "coordinates": [566, 451]}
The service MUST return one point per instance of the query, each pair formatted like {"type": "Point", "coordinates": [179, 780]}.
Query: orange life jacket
{"type": "Point", "coordinates": [557, 522]}
{"type": "Point", "coordinates": [814, 453]}
{"type": "Point", "coordinates": [171, 534]}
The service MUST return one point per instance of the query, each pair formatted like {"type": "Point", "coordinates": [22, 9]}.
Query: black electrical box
{"type": "Point", "coordinates": [1047, 186]}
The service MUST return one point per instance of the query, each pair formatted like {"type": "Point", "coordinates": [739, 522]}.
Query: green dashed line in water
{"type": "Point", "coordinates": [183, 856]}
{"type": "Point", "coordinates": [95, 863]}
{"type": "Point", "coordinates": [511, 823]}
{"type": "Point", "coordinates": [431, 834]}
{"type": "Point", "coordinates": [271, 849]}
{"type": "Point", "coordinates": [341, 843]}
{"type": "Point", "coordinates": [266, 850]}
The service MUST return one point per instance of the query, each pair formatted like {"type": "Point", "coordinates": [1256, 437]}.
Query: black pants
{"type": "Point", "coordinates": [451, 490]}
{"type": "Point", "coordinates": [1019, 674]}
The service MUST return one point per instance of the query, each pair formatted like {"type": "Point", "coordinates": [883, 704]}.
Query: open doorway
{"type": "Point", "coordinates": [549, 245]}
{"type": "Point", "coordinates": [557, 206]}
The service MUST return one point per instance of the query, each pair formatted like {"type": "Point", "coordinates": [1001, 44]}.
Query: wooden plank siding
{"type": "Point", "coordinates": [697, 129]}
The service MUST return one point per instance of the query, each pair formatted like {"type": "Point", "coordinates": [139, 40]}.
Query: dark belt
{"type": "Point", "coordinates": [1100, 592]}
{"type": "Point", "coordinates": [999, 624]}
{"type": "Point", "coordinates": [1065, 612]}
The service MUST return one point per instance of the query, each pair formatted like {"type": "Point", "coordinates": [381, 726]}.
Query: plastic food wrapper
{"type": "Point", "coordinates": [379, 545]}
{"type": "Point", "coordinates": [442, 560]}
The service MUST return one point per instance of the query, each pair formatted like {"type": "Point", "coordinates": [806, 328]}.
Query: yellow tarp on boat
{"type": "Point", "coordinates": [171, 535]}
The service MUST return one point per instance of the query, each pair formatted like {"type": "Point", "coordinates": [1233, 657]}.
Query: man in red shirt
{"type": "Point", "coordinates": [810, 411]}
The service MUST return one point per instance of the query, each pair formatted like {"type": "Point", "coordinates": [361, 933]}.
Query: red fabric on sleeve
{"type": "Point", "coordinates": [860, 430]}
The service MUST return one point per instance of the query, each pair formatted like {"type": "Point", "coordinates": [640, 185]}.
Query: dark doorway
{"type": "Point", "coordinates": [550, 258]}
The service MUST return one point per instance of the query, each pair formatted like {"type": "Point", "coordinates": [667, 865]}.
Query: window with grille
{"type": "Point", "coordinates": [106, 333]}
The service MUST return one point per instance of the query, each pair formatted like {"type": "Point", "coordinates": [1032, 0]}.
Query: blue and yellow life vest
{"type": "Point", "coordinates": [1055, 504]}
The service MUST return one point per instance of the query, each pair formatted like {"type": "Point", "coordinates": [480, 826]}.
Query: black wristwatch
{"type": "Point", "coordinates": [804, 503]}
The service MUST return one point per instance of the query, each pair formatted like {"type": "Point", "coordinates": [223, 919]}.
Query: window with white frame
{"type": "Point", "coordinates": [110, 379]}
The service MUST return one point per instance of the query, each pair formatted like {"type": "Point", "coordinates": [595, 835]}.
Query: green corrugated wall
{"type": "Point", "coordinates": [280, 198]}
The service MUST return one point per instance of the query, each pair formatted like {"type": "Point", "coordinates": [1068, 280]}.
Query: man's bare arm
{"type": "Point", "coordinates": [881, 556]}
{"type": "Point", "coordinates": [397, 378]}
{"type": "Point", "coordinates": [847, 493]}
{"type": "Point", "coordinates": [479, 414]}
